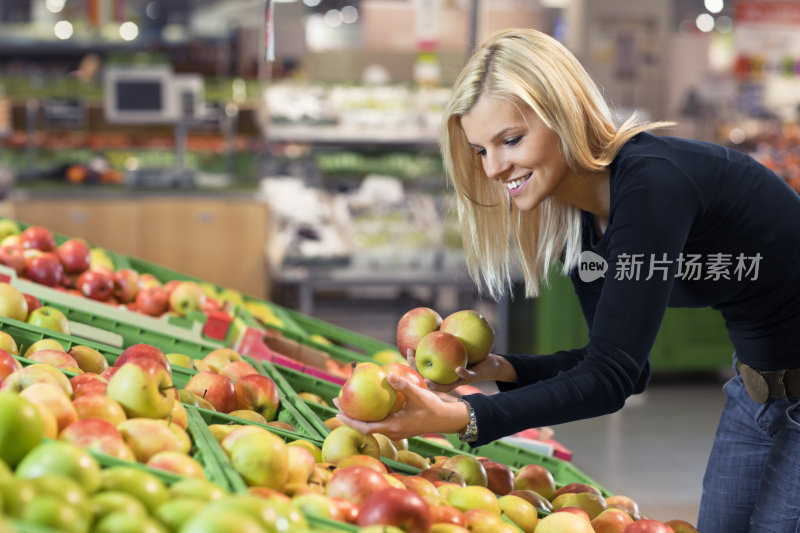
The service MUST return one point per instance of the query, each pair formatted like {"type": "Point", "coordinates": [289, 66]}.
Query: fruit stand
{"type": "Point", "coordinates": [215, 412]}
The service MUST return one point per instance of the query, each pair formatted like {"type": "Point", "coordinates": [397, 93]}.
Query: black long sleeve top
{"type": "Point", "coordinates": [691, 224]}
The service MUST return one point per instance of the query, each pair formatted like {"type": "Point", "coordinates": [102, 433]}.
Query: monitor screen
{"type": "Point", "coordinates": [140, 95]}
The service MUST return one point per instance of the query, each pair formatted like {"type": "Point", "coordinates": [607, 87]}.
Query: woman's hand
{"type": "Point", "coordinates": [492, 368]}
{"type": "Point", "coordinates": [423, 411]}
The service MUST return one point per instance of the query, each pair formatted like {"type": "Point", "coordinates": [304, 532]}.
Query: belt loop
{"type": "Point", "coordinates": [779, 384]}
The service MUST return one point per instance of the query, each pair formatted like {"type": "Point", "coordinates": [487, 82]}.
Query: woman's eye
{"type": "Point", "coordinates": [513, 141]}
{"type": "Point", "coordinates": [480, 153]}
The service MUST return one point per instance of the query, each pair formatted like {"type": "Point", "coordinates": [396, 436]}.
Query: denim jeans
{"type": "Point", "coordinates": [752, 482]}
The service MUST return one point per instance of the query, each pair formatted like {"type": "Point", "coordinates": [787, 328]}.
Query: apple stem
{"type": "Point", "coordinates": [204, 393]}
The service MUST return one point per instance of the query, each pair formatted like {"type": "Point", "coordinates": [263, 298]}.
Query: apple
{"type": "Point", "coordinates": [469, 468]}
{"type": "Point", "coordinates": [481, 520]}
{"type": "Point", "coordinates": [474, 497]}
{"type": "Point", "coordinates": [407, 373]}
{"type": "Point", "coordinates": [49, 318]}
{"type": "Point", "coordinates": [88, 359]}
{"type": "Point", "coordinates": [563, 522]}
{"type": "Point", "coordinates": [499, 477]}
{"type": "Point", "coordinates": [519, 511]}
{"type": "Point", "coordinates": [473, 330]}
{"type": "Point", "coordinates": [8, 364]}
{"type": "Point", "coordinates": [318, 505]}
{"type": "Point", "coordinates": [8, 227]}
{"type": "Point", "coordinates": [219, 358]}
{"type": "Point", "coordinates": [56, 358]}
{"type": "Point", "coordinates": [87, 383]}
{"type": "Point", "coordinates": [258, 393]}
{"type": "Point", "coordinates": [103, 503]}
{"type": "Point", "coordinates": [178, 416]}
{"type": "Point", "coordinates": [99, 406]}
{"type": "Point", "coordinates": [152, 300]}
{"type": "Point", "coordinates": [84, 431]}
{"type": "Point", "coordinates": [262, 459]}
{"type": "Point", "coordinates": [64, 458]}
{"type": "Point", "coordinates": [13, 256]}
{"type": "Point", "coordinates": [438, 355]}
{"type": "Point", "coordinates": [237, 369]}
{"type": "Point", "coordinates": [43, 344]}
{"type": "Point", "coordinates": [74, 256]}
{"type": "Point", "coordinates": [146, 351]}
{"type": "Point", "coordinates": [367, 395]}
{"type": "Point", "coordinates": [612, 521]}
{"type": "Point", "coordinates": [33, 302]}
{"type": "Point", "coordinates": [193, 399]}
{"type": "Point", "coordinates": [395, 507]}
{"type": "Point", "coordinates": [414, 325]}
{"type": "Point", "coordinates": [301, 464]}
{"type": "Point", "coordinates": [681, 526]}
{"type": "Point", "coordinates": [355, 483]}
{"type": "Point", "coordinates": [45, 269]}
{"type": "Point", "coordinates": [438, 473]}
{"type": "Point", "coordinates": [53, 398]}
{"type": "Point", "coordinates": [625, 503]}
{"type": "Point", "coordinates": [147, 436]}
{"type": "Point", "coordinates": [178, 463]}
{"type": "Point", "coordinates": [187, 296]}
{"type": "Point", "coordinates": [588, 501]}
{"type": "Point", "coordinates": [215, 388]}
{"type": "Point", "coordinates": [386, 446]}
{"type": "Point", "coordinates": [648, 526]}
{"type": "Point", "coordinates": [142, 485]}
{"type": "Point", "coordinates": [143, 388]}
{"type": "Point", "coordinates": [363, 460]}
{"type": "Point", "coordinates": [38, 238]}
{"type": "Point", "coordinates": [575, 488]}
{"type": "Point", "coordinates": [180, 359]}
{"type": "Point", "coordinates": [537, 478]}
{"type": "Point", "coordinates": [21, 429]}
{"type": "Point", "coordinates": [95, 285]}
{"type": "Point", "coordinates": [535, 499]}
{"type": "Point", "coordinates": [447, 514]}
{"type": "Point", "coordinates": [126, 285]}
{"type": "Point", "coordinates": [345, 441]}
{"type": "Point", "coordinates": [36, 373]}
{"type": "Point", "coordinates": [12, 303]}
{"type": "Point", "coordinates": [8, 343]}
{"type": "Point", "coordinates": [197, 489]}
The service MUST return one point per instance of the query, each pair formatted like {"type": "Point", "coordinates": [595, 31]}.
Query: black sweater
{"type": "Point", "coordinates": [718, 229]}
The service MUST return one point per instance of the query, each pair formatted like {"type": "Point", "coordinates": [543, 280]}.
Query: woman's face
{"type": "Point", "coordinates": [517, 149]}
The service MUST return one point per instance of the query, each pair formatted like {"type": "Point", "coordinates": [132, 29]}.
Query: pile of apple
{"type": "Point", "coordinates": [80, 270]}
{"type": "Point", "coordinates": [60, 486]}
{"type": "Point", "coordinates": [441, 345]}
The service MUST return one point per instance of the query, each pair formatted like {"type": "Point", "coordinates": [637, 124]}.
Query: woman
{"type": "Point", "coordinates": [542, 175]}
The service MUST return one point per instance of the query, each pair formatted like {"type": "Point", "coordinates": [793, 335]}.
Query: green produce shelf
{"type": "Point", "coordinates": [319, 523]}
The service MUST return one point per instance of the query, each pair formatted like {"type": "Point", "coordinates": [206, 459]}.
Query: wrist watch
{"type": "Point", "coordinates": [469, 433]}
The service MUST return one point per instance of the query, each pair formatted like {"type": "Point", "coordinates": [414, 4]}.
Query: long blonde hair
{"type": "Point", "coordinates": [530, 69]}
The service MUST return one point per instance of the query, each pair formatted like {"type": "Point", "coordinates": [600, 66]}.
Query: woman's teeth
{"type": "Point", "coordinates": [513, 184]}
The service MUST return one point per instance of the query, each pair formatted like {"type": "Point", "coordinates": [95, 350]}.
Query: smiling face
{"type": "Point", "coordinates": [517, 149]}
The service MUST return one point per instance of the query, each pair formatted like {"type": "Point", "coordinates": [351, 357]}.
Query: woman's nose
{"type": "Point", "coordinates": [494, 165]}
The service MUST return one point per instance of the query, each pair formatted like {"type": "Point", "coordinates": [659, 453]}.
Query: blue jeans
{"type": "Point", "coordinates": [752, 482]}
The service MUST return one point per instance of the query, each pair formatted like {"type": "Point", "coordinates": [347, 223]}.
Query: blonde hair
{"type": "Point", "coordinates": [530, 69]}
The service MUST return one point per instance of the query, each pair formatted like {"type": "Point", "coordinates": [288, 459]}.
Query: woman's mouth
{"type": "Point", "coordinates": [515, 186]}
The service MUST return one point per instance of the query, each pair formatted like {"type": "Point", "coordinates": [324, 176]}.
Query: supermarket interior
{"type": "Point", "coordinates": [284, 156]}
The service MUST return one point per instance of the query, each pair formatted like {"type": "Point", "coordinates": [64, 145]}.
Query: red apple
{"type": "Point", "coordinates": [97, 405]}
{"type": "Point", "coordinates": [355, 483]}
{"type": "Point", "coordinates": [152, 300]}
{"type": "Point", "coordinates": [648, 526]}
{"type": "Point", "coordinates": [45, 269]}
{"type": "Point", "coordinates": [258, 393]}
{"type": "Point", "coordinates": [447, 514]}
{"type": "Point", "coordinates": [8, 364]}
{"type": "Point", "coordinates": [395, 507]}
{"type": "Point", "coordinates": [82, 432]}
{"type": "Point", "coordinates": [126, 284]}
{"type": "Point", "coordinates": [13, 256]}
{"type": "Point", "coordinates": [146, 351]}
{"type": "Point", "coordinates": [187, 296]}
{"type": "Point", "coordinates": [95, 284]}
{"type": "Point", "coordinates": [438, 355]}
{"type": "Point", "coordinates": [87, 383]}
{"type": "Point", "coordinates": [537, 478]}
{"type": "Point", "coordinates": [236, 370]}
{"type": "Point", "coordinates": [74, 256]}
{"type": "Point", "coordinates": [414, 325]}
{"type": "Point", "coordinates": [611, 521]}
{"type": "Point", "coordinates": [214, 388]}
{"type": "Point", "coordinates": [574, 488]}
{"type": "Point", "coordinates": [56, 358]}
{"type": "Point", "coordinates": [367, 395]}
{"type": "Point", "coordinates": [500, 478]}
{"type": "Point", "coordinates": [33, 302]}
{"type": "Point", "coordinates": [535, 499]}
{"type": "Point", "coordinates": [38, 238]}
{"type": "Point", "coordinates": [408, 374]}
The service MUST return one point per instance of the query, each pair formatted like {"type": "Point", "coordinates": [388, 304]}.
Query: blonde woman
{"type": "Point", "coordinates": [543, 175]}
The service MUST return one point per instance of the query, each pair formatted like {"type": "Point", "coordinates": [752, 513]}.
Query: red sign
{"type": "Point", "coordinates": [783, 13]}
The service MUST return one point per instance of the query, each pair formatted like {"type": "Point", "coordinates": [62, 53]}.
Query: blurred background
{"type": "Point", "coordinates": [288, 149]}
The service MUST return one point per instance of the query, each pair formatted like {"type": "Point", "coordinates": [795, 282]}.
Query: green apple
{"type": "Point", "coordinates": [386, 446]}
{"type": "Point", "coordinates": [147, 436]}
{"type": "Point", "coordinates": [308, 445]}
{"type": "Point", "coordinates": [176, 512]}
{"type": "Point", "coordinates": [230, 296]}
{"type": "Point", "coordinates": [563, 522]}
{"type": "Point", "coordinates": [59, 457]}
{"type": "Point", "coordinates": [43, 344]}
{"type": "Point", "coordinates": [52, 512]}
{"type": "Point", "coordinates": [142, 485]}
{"type": "Point", "coordinates": [345, 441]}
{"type": "Point", "coordinates": [191, 398]}
{"type": "Point", "coordinates": [588, 501]}
{"type": "Point", "coordinates": [122, 522]}
{"type": "Point", "coordinates": [187, 296]}
{"type": "Point", "coordinates": [49, 318]}
{"type": "Point", "coordinates": [474, 497]}
{"type": "Point", "coordinates": [21, 429]}
{"type": "Point", "coordinates": [109, 501]}
{"type": "Point", "coordinates": [469, 467]}
{"type": "Point", "coordinates": [218, 358]}
{"type": "Point", "coordinates": [69, 493]}
{"type": "Point", "coordinates": [9, 227]}
{"type": "Point", "coordinates": [17, 494]}
{"type": "Point", "coordinates": [367, 395]}
{"type": "Point", "coordinates": [271, 514]}
{"type": "Point", "coordinates": [262, 459]}
{"type": "Point", "coordinates": [143, 388]}
{"type": "Point", "coordinates": [180, 359]}
{"type": "Point", "coordinates": [8, 343]}
{"type": "Point", "coordinates": [316, 505]}
{"type": "Point", "coordinates": [12, 303]}
{"type": "Point", "coordinates": [414, 325]}
{"type": "Point", "coordinates": [438, 355]}
{"type": "Point", "coordinates": [222, 520]}
{"type": "Point", "coordinates": [196, 489]}
{"type": "Point", "coordinates": [413, 459]}
{"type": "Point", "coordinates": [89, 359]}
{"type": "Point", "coordinates": [519, 511]}
{"type": "Point", "coordinates": [473, 330]}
